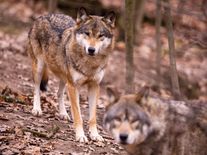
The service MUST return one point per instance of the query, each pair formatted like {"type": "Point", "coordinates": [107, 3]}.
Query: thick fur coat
{"type": "Point", "coordinates": [147, 125]}
{"type": "Point", "coordinates": [77, 53]}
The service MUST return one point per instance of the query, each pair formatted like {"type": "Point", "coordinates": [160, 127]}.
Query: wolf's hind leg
{"type": "Point", "coordinates": [38, 68]}
{"type": "Point", "coordinates": [62, 111]}
{"type": "Point", "coordinates": [93, 90]}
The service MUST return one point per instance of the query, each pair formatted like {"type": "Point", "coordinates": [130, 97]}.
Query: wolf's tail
{"type": "Point", "coordinates": [44, 81]}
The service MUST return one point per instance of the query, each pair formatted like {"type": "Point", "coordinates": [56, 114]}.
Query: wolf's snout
{"type": "Point", "coordinates": [123, 138]}
{"type": "Point", "coordinates": [91, 51]}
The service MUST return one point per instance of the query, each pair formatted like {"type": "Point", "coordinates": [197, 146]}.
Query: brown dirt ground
{"type": "Point", "coordinates": [18, 126]}
{"type": "Point", "coordinates": [16, 118]}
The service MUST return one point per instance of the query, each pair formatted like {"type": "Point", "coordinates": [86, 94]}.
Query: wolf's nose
{"type": "Point", "coordinates": [91, 50]}
{"type": "Point", "coordinates": [123, 137]}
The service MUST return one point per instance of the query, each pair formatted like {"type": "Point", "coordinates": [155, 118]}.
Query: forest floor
{"type": "Point", "coordinates": [23, 133]}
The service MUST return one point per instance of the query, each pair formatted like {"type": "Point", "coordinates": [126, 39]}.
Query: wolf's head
{"type": "Point", "coordinates": [126, 119]}
{"type": "Point", "coordinates": [94, 33]}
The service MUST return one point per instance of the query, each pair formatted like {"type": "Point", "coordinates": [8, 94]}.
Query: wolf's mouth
{"type": "Point", "coordinates": [91, 54]}
{"type": "Point", "coordinates": [123, 143]}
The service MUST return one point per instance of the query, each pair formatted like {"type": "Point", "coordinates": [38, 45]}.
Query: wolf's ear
{"type": "Point", "coordinates": [81, 15]}
{"type": "Point", "coordinates": [143, 92]}
{"type": "Point", "coordinates": [110, 19]}
{"type": "Point", "coordinates": [113, 95]}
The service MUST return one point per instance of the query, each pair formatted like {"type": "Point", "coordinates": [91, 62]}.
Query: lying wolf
{"type": "Point", "coordinates": [150, 126]}
{"type": "Point", "coordinates": [77, 53]}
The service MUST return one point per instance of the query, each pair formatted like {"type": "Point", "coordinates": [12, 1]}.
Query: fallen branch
{"type": "Point", "coordinates": [36, 133]}
{"type": "Point", "coordinates": [11, 99]}
{"type": "Point", "coordinates": [3, 118]}
{"type": "Point", "coordinates": [107, 137]}
{"type": "Point", "coordinates": [53, 131]}
{"type": "Point", "coordinates": [46, 135]}
{"type": "Point", "coordinates": [8, 95]}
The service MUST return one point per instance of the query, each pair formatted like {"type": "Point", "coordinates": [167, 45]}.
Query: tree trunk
{"type": "Point", "coordinates": [204, 7]}
{"type": "Point", "coordinates": [173, 71]}
{"type": "Point", "coordinates": [158, 40]}
{"type": "Point", "coordinates": [138, 16]}
{"type": "Point", "coordinates": [52, 6]}
{"type": "Point", "coordinates": [129, 39]}
{"type": "Point", "coordinates": [181, 6]}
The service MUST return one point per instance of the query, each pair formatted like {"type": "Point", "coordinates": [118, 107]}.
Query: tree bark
{"type": "Point", "coordinates": [181, 6]}
{"type": "Point", "coordinates": [129, 40]}
{"type": "Point", "coordinates": [138, 16]}
{"type": "Point", "coordinates": [173, 70]}
{"type": "Point", "coordinates": [158, 40]}
{"type": "Point", "coordinates": [52, 6]}
{"type": "Point", "coordinates": [204, 8]}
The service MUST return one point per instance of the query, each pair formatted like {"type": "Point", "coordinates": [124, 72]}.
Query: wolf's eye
{"type": "Point", "coordinates": [87, 33]}
{"type": "Point", "coordinates": [135, 124]}
{"type": "Point", "coordinates": [117, 122]}
{"type": "Point", "coordinates": [100, 35]}
{"type": "Point", "coordinates": [117, 118]}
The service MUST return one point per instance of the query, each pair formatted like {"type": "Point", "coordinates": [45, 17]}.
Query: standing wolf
{"type": "Point", "coordinates": [146, 125]}
{"type": "Point", "coordinates": [77, 53]}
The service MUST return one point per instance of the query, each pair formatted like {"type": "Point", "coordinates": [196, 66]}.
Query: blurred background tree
{"type": "Point", "coordinates": [52, 6]}
{"type": "Point", "coordinates": [129, 41]}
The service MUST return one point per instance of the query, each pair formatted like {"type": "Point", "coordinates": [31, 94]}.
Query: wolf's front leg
{"type": "Point", "coordinates": [93, 96]}
{"type": "Point", "coordinates": [75, 108]}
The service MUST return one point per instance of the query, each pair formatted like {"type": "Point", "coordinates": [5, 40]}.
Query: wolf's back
{"type": "Point", "coordinates": [59, 22]}
{"type": "Point", "coordinates": [46, 36]}
{"type": "Point", "coordinates": [48, 30]}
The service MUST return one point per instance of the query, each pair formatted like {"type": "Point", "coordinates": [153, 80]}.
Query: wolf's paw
{"type": "Point", "coordinates": [36, 112]}
{"type": "Point", "coordinates": [81, 138]}
{"type": "Point", "coordinates": [96, 137]}
{"type": "Point", "coordinates": [64, 116]}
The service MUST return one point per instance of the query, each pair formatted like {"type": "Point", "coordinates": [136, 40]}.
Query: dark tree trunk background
{"type": "Point", "coordinates": [158, 41]}
{"type": "Point", "coordinates": [52, 5]}
{"type": "Point", "coordinates": [204, 8]}
{"type": "Point", "coordinates": [173, 70]}
{"type": "Point", "coordinates": [138, 16]}
{"type": "Point", "coordinates": [129, 40]}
